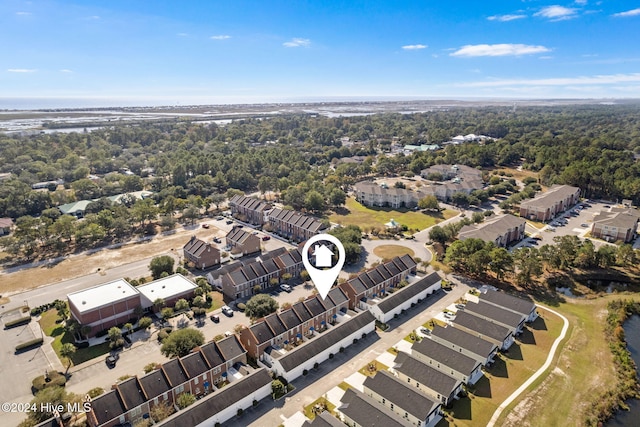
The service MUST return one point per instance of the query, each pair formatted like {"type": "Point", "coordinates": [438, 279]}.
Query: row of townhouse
{"type": "Point", "coordinates": [239, 281]}
{"type": "Point", "coordinates": [377, 281]}
{"type": "Point", "coordinates": [295, 325]}
{"type": "Point", "coordinates": [545, 206]}
{"type": "Point", "coordinates": [287, 223]}
{"type": "Point", "coordinates": [249, 209]}
{"type": "Point", "coordinates": [294, 225]}
{"type": "Point", "coordinates": [496, 317]}
{"type": "Point", "coordinates": [242, 242]}
{"type": "Point", "coordinates": [501, 230]}
{"type": "Point", "coordinates": [197, 373]}
{"type": "Point", "coordinates": [200, 253]}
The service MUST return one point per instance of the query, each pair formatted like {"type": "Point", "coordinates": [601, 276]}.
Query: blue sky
{"type": "Point", "coordinates": [167, 51]}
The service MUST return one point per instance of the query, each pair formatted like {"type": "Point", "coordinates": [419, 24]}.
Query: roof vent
{"type": "Point", "coordinates": [164, 286]}
{"type": "Point", "coordinates": [84, 302]}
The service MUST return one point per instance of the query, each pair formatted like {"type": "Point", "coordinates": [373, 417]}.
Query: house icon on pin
{"type": "Point", "coordinates": [322, 256]}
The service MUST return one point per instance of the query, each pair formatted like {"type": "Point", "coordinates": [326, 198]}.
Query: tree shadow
{"type": "Point", "coordinates": [514, 352]}
{"type": "Point", "coordinates": [498, 368]}
{"type": "Point", "coordinates": [539, 324]}
{"type": "Point", "coordinates": [461, 408]}
{"type": "Point", "coordinates": [341, 210]}
{"type": "Point", "coordinates": [482, 388]}
{"type": "Point", "coordinates": [527, 337]}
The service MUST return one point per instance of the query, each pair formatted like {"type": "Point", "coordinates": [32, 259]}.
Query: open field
{"type": "Point", "coordinates": [356, 214]}
{"type": "Point", "coordinates": [584, 369]}
{"type": "Point", "coordinates": [76, 266]}
{"type": "Point", "coordinates": [391, 251]}
{"type": "Point", "coordinates": [508, 372]}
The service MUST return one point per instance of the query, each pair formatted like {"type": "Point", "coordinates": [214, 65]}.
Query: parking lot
{"type": "Point", "coordinates": [576, 221]}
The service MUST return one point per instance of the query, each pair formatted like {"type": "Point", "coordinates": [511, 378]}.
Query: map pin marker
{"type": "Point", "coordinates": [322, 276]}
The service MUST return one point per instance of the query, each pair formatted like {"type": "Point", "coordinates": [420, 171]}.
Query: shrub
{"type": "Point", "coordinates": [95, 392]}
{"type": "Point", "coordinates": [305, 372]}
{"type": "Point", "coordinates": [315, 365]}
{"type": "Point", "coordinates": [255, 402]}
{"type": "Point", "coordinates": [17, 322]}
{"type": "Point", "coordinates": [29, 344]}
{"type": "Point", "coordinates": [162, 335]}
{"type": "Point", "coordinates": [240, 412]}
{"type": "Point", "coordinates": [331, 356]}
{"type": "Point", "coordinates": [341, 349]}
{"type": "Point", "coordinates": [241, 306]}
{"type": "Point", "coordinates": [56, 379]}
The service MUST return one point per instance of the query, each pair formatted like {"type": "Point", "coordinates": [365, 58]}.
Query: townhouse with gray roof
{"type": "Point", "coordinates": [405, 401]}
{"type": "Point", "coordinates": [447, 360]}
{"type": "Point", "coordinates": [519, 305]}
{"type": "Point", "coordinates": [293, 225]}
{"type": "Point", "coordinates": [200, 253]}
{"type": "Point", "coordinates": [465, 343]}
{"type": "Point", "coordinates": [616, 225]}
{"type": "Point", "coordinates": [242, 242]}
{"type": "Point", "coordinates": [249, 209]}
{"type": "Point", "coordinates": [440, 386]}
{"type": "Point", "coordinates": [497, 334]}
{"type": "Point", "coordinates": [360, 410]}
{"type": "Point", "coordinates": [404, 298]}
{"type": "Point", "coordinates": [493, 313]}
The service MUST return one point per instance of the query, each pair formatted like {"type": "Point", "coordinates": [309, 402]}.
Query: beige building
{"type": "Point", "coordinates": [617, 225]}
{"type": "Point", "coordinates": [242, 242]}
{"type": "Point", "coordinates": [546, 206]}
{"type": "Point", "coordinates": [501, 230]}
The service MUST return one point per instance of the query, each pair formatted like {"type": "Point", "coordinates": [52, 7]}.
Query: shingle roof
{"type": "Point", "coordinates": [325, 340]}
{"type": "Point", "coordinates": [315, 306]}
{"type": "Point", "coordinates": [554, 195]}
{"type": "Point", "coordinates": [154, 384]}
{"type": "Point", "coordinates": [367, 412]}
{"type": "Point", "coordinates": [324, 419]}
{"type": "Point", "coordinates": [622, 220]}
{"type": "Point", "coordinates": [262, 332]}
{"type": "Point", "coordinates": [131, 393]}
{"type": "Point", "coordinates": [195, 364]}
{"type": "Point", "coordinates": [275, 324]}
{"type": "Point", "coordinates": [338, 296]}
{"type": "Point", "coordinates": [174, 372]}
{"type": "Point", "coordinates": [212, 354]}
{"type": "Point", "coordinates": [214, 403]}
{"type": "Point", "coordinates": [481, 326]}
{"type": "Point", "coordinates": [239, 235]}
{"type": "Point", "coordinates": [230, 348]}
{"type": "Point", "coordinates": [519, 305]}
{"type": "Point", "coordinates": [491, 229]}
{"type": "Point", "coordinates": [405, 294]}
{"type": "Point", "coordinates": [465, 340]}
{"type": "Point", "coordinates": [445, 356]}
{"type": "Point", "coordinates": [107, 406]}
{"type": "Point", "coordinates": [424, 374]}
{"type": "Point", "coordinates": [410, 399]}
{"type": "Point", "coordinates": [290, 318]}
{"type": "Point", "coordinates": [196, 247]}
{"type": "Point", "coordinates": [302, 311]}
{"type": "Point", "coordinates": [495, 313]}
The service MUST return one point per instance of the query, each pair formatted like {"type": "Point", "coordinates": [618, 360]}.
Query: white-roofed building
{"type": "Point", "coordinates": [105, 305]}
{"type": "Point", "coordinates": [170, 289]}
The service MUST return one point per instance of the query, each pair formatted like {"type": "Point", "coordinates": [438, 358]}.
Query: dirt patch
{"type": "Point", "coordinates": [81, 265]}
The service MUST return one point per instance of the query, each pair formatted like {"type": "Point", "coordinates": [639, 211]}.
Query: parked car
{"type": "Point", "coordinates": [425, 331]}
{"type": "Point", "coordinates": [205, 225]}
{"type": "Point", "coordinates": [219, 217]}
{"type": "Point", "coordinates": [226, 310]}
{"type": "Point", "coordinates": [285, 288]}
{"type": "Point", "coordinates": [584, 224]}
{"type": "Point", "coordinates": [448, 315]}
{"type": "Point", "coordinates": [266, 238]}
{"type": "Point", "coordinates": [214, 318]}
{"type": "Point", "coordinates": [217, 240]}
{"type": "Point", "coordinates": [229, 221]}
{"type": "Point", "coordinates": [111, 361]}
{"type": "Point", "coordinates": [460, 306]}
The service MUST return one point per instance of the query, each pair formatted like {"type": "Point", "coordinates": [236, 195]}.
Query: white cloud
{"type": "Point", "coordinates": [557, 13]}
{"type": "Point", "coordinates": [581, 2]}
{"type": "Point", "coordinates": [506, 18]}
{"type": "Point", "coordinates": [559, 81]}
{"type": "Point", "coordinates": [21, 70]}
{"type": "Point", "coordinates": [546, 57]}
{"type": "Point", "coordinates": [182, 34]}
{"type": "Point", "coordinates": [632, 12]}
{"type": "Point", "coordinates": [504, 49]}
{"type": "Point", "coordinates": [220, 37]}
{"type": "Point", "coordinates": [415, 46]}
{"type": "Point", "coordinates": [297, 42]}
{"type": "Point", "coordinates": [66, 70]}
{"type": "Point", "coordinates": [23, 13]}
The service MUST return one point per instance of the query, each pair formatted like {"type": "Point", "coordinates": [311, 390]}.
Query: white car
{"type": "Point", "coordinates": [226, 310]}
{"type": "Point", "coordinates": [285, 288]}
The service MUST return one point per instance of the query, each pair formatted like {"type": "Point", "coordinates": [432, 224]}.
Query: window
{"type": "Point", "coordinates": [165, 396]}
{"type": "Point", "coordinates": [196, 380]}
{"type": "Point", "coordinates": [180, 388]}
{"type": "Point", "coordinates": [135, 411]}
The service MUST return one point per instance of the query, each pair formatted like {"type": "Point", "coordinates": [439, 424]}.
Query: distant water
{"type": "Point", "coordinates": [632, 335]}
{"type": "Point", "coordinates": [65, 103]}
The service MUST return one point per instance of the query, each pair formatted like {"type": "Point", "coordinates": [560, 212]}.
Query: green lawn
{"type": "Point", "coordinates": [507, 373]}
{"type": "Point", "coordinates": [583, 370]}
{"type": "Point", "coordinates": [217, 301]}
{"type": "Point", "coordinates": [364, 217]}
{"type": "Point", "coordinates": [51, 327]}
